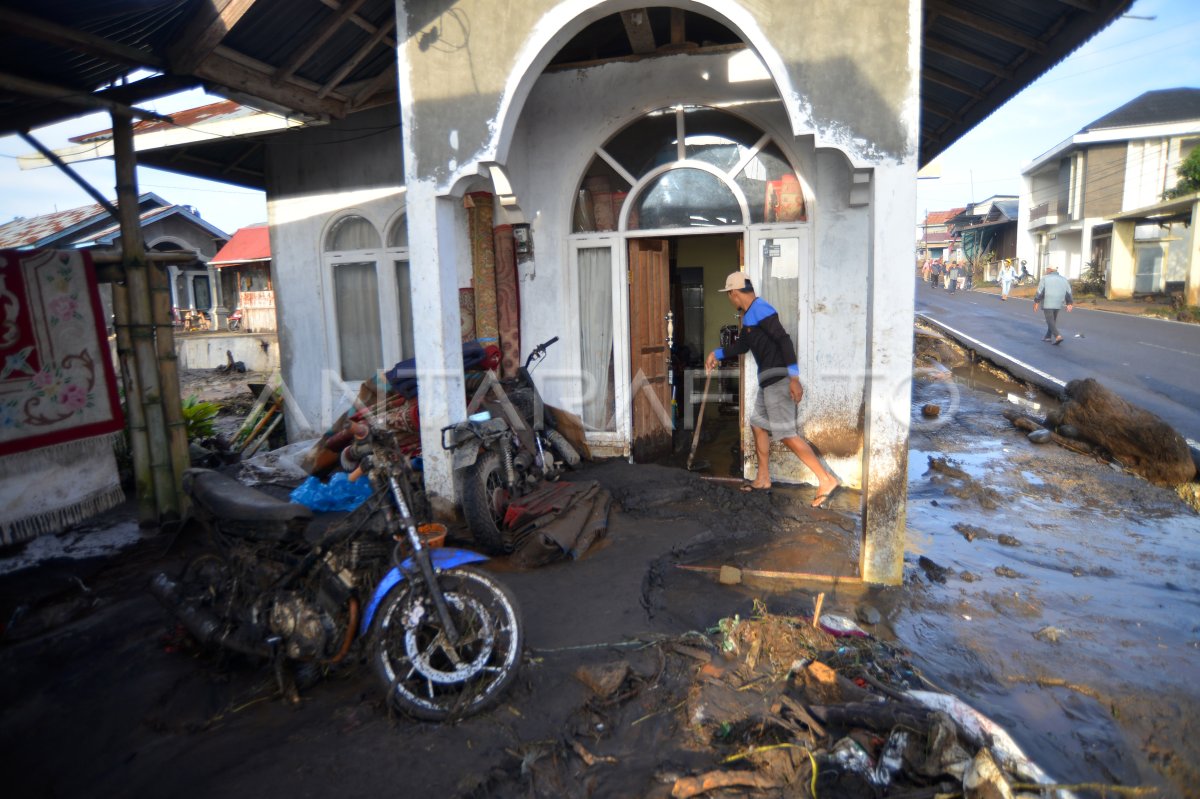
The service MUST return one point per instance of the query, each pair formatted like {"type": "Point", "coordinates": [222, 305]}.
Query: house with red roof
{"type": "Point", "coordinates": [244, 266]}
{"type": "Point", "coordinates": [935, 239]}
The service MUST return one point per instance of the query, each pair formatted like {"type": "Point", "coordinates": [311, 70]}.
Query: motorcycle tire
{"type": "Point", "coordinates": [485, 500]}
{"type": "Point", "coordinates": [410, 654]}
{"type": "Point", "coordinates": [562, 448]}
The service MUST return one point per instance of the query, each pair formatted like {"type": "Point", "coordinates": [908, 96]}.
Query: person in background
{"type": "Point", "coordinates": [1007, 276]}
{"type": "Point", "coordinates": [952, 277]}
{"type": "Point", "coordinates": [964, 269]}
{"type": "Point", "coordinates": [926, 268]}
{"type": "Point", "coordinates": [1053, 293]}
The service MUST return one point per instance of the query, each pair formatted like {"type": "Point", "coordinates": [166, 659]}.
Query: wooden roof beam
{"type": "Point", "coordinates": [224, 68]}
{"type": "Point", "coordinates": [206, 29]}
{"type": "Point", "coordinates": [367, 26]}
{"type": "Point", "coordinates": [951, 82]}
{"type": "Point", "coordinates": [64, 94]}
{"type": "Point", "coordinates": [43, 30]}
{"type": "Point", "coordinates": [986, 26]}
{"type": "Point", "coordinates": [637, 28]}
{"type": "Point", "coordinates": [345, 69]}
{"type": "Point", "coordinates": [967, 57]}
{"type": "Point", "coordinates": [1086, 5]}
{"type": "Point", "coordinates": [322, 35]}
{"type": "Point", "coordinates": [941, 110]}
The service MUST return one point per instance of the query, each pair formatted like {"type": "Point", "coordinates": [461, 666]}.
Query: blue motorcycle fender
{"type": "Point", "coordinates": [443, 558]}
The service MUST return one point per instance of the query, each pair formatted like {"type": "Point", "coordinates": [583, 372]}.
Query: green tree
{"type": "Point", "coordinates": [1189, 177]}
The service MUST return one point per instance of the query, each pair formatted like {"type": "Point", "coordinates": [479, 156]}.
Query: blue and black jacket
{"type": "Point", "coordinates": [763, 337]}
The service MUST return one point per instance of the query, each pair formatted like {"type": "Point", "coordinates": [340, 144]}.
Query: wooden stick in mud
{"type": "Point", "coordinates": [686, 787]}
{"type": "Point", "coordinates": [1099, 787]}
{"type": "Point", "coordinates": [817, 609]}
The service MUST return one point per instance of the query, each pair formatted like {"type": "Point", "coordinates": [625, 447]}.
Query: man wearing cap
{"type": "Point", "coordinates": [1007, 275]}
{"type": "Point", "coordinates": [779, 389]}
{"type": "Point", "coordinates": [1053, 292]}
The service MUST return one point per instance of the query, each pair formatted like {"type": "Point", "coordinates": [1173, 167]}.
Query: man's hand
{"type": "Point", "coordinates": [1035, 305]}
{"type": "Point", "coordinates": [710, 362]}
{"type": "Point", "coordinates": [796, 389]}
{"type": "Point", "coordinates": [1069, 307]}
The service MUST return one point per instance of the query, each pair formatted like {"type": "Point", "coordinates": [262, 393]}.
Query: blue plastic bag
{"type": "Point", "coordinates": [338, 494]}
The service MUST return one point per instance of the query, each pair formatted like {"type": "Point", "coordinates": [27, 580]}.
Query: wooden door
{"type": "Point", "coordinates": [649, 301]}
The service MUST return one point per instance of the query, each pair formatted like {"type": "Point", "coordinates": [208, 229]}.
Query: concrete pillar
{"type": "Point", "coordinates": [889, 375]}
{"type": "Point", "coordinates": [1124, 265]}
{"type": "Point", "coordinates": [434, 255]}
{"type": "Point", "coordinates": [1191, 290]}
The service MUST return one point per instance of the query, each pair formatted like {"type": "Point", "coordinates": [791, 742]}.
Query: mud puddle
{"type": "Point", "coordinates": [1070, 608]}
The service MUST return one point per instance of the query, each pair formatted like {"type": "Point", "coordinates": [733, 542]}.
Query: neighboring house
{"type": "Point", "coordinates": [244, 267]}
{"type": "Point", "coordinates": [165, 228]}
{"type": "Point", "coordinates": [934, 240]}
{"type": "Point", "coordinates": [1117, 168]}
{"type": "Point", "coordinates": [603, 157]}
{"type": "Point", "coordinates": [986, 233]}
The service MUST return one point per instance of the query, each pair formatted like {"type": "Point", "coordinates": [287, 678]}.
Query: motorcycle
{"type": "Point", "coordinates": [505, 452]}
{"type": "Point", "coordinates": [445, 639]}
{"type": "Point", "coordinates": [235, 320]}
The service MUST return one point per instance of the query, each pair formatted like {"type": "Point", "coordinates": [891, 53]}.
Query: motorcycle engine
{"type": "Point", "coordinates": [306, 630]}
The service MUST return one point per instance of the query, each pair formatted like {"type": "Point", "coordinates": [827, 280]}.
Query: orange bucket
{"type": "Point", "coordinates": [433, 534]}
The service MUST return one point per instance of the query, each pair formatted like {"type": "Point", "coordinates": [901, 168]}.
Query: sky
{"type": "Point", "coordinates": [1153, 47]}
{"type": "Point", "coordinates": [1130, 57]}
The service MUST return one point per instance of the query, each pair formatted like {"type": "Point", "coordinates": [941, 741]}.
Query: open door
{"type": "Point", "coordinates": [649, 301]}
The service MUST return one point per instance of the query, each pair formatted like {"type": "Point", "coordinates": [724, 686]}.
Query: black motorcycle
{"type": "Point", "coordinates": [506, 451]}
{"type": "Point", "coordinates": [445, 639]}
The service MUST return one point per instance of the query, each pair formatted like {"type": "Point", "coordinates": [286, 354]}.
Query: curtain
{"type": "Point", "coordinates": [781, 283]}
{"type": "Point", "coordinates": [596, 337]}
{"type": "Point", "coordinates": [404, 299]}
{"type": "Point", "coordinates": [356, 292]}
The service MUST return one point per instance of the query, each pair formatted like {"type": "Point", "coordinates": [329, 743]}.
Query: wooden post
{"type": "Point", "coordinates": [141, 321]}
{"type": "Point", "coordinates": [168, 372]}
{"type": "Point", "coordinates": [135, 420]}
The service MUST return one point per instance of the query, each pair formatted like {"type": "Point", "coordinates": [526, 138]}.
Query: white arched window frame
{"type": "Point", "coordinates": [351, 252]}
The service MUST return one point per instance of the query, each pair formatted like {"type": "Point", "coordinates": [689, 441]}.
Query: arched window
{"type": "Point", "coordinates": [681, 139]}
{"type": "Point", "coordinates": [352, 249]}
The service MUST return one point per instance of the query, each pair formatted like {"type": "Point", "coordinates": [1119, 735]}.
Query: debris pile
{"type": "Point", "coordinates": [772, 706]}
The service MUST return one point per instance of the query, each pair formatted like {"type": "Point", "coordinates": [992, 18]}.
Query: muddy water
{"type": "Point", "coordinates": [1080, 632]}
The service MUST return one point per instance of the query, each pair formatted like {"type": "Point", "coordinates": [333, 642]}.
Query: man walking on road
{"type": "Point", "coordinates": [1007, 276]}
{"type": "Point", "coordinates": [1053, 292]}
{"type": "Point", "coordinates": [779, 389]}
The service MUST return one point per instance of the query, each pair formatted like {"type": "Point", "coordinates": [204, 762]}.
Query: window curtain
{"type": "Point", "coordinates": [404, 301]}
{"type": "Point", "coordinates": [596, 337]}
{"type": "Point", "coordinates": [360, 343]}
{"type": "Point", "coordinates": [781, 283]}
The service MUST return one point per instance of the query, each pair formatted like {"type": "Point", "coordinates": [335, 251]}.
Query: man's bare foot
{"type": "Point", "coordinates": [825, 491]}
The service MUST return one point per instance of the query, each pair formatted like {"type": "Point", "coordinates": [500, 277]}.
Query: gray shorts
{"type": "Point", "coordinates": [774, 411]}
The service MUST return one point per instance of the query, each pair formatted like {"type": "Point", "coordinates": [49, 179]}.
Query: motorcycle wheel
{"type": "Point", "coordinates": [562, 448]}
{"type": "Point", "coordinates": [485, 500]}
{"type": "Point", "coordinates": [427, 678]}
{"type": "Point", "coordinates": [208, 582]}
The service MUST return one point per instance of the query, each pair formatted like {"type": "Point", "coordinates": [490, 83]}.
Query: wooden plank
{"type": "Point", "coordinates": [951, 82]}
{"type": "Point", "coordinates": [322, 35]}
{"type": "Point", "coordinates": [68, 38]}
{"type": "Point", "coordinates": [637, 28]}
{"type": "Point", "coordinates": [205, 30]}
{"type": "Point", "coordinates": [221, 69]}
{"type": "Point", "coordinates": [364, 24]}
{"type": "Point", "coordinates": [63, 94]}
{"type": "Point", "coordinates": [967, 57]}
{"type": "Point", "coordinates": [356, 59]}
{"type": "Point", "coordinates": [678, 28]}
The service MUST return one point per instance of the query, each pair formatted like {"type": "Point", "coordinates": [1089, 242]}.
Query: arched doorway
{"type": "Point", "coordinates": [665, 209]}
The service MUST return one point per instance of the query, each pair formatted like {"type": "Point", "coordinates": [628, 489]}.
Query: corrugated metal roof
{"type": "Point", "coordinates": [251, 243]}
{"type": "Point", "coordinates": [28, 232]}
{"type": "Point", "coordinates": [226, 109]}
{"type": "Point", "coordinates": [57, 227]}
{"type": "Point", "coordinates": [1152, 108]}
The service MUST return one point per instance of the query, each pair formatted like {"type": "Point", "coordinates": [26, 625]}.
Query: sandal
{"type": "Point", "coordinates": [750, 488]}
{"type": "Point", "coordinates": [822, 500]}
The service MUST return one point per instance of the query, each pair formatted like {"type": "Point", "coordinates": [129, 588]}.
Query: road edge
{"type": "Point", "coordinates": [1024, 371]}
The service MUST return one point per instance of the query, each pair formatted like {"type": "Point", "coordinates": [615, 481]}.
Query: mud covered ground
{"type": "Point", "coordinates": [1084, 644]}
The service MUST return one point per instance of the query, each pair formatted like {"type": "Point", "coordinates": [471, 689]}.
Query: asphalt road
{"type": "Point", "coordinates": [1149, 362]}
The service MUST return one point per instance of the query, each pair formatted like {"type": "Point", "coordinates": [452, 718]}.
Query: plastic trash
{"type": "Point", "coordinates": [841, 626]}
{"type": "Point", "coordinates": [338, 494]}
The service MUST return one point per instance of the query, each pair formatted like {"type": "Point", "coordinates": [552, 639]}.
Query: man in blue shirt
{"type": "Point", "coordinates": [779, 389]}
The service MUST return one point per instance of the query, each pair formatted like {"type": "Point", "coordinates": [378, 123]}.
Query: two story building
{"type": "Point", "coordinates": [1116, 168]}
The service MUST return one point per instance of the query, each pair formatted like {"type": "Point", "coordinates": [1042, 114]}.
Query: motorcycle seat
{"type": "Point", "coordinates": [228, 499]}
